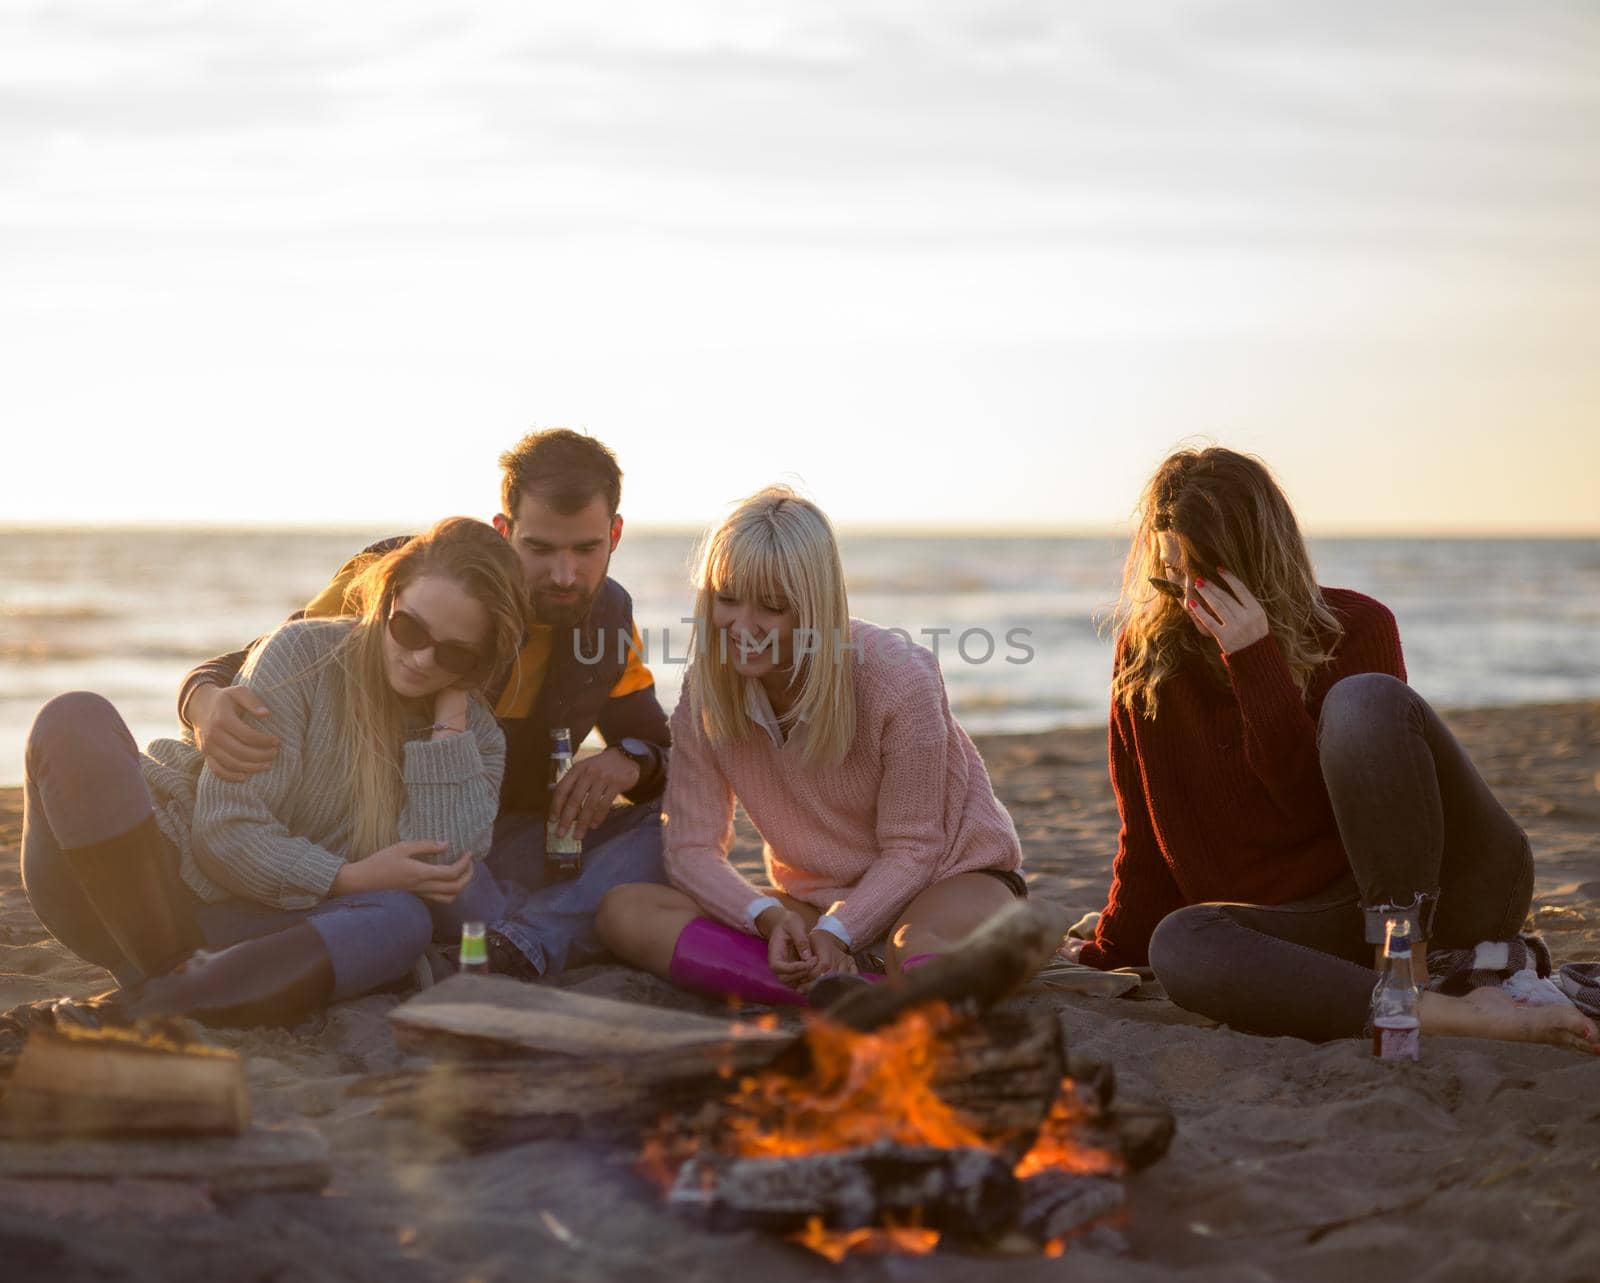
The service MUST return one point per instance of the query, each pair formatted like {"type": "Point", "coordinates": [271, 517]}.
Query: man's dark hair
{"type": "Point", "coordinates": [563, 468]}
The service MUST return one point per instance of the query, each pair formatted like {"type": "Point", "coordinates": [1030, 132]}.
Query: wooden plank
{"type": "Point", "coordinates": [491, 1104]}
{"type": "Point", "coordinates": [495, 1017]}
{"type": "Point", "coordinates": [262, 1160]}
{"type": "Point", "coordinates": [141, 1080]}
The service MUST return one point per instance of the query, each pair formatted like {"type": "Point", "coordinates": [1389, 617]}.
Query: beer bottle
{"type": "Point", "coordinates": [474, 950]}
{"type": "Point", "coordinates": [561, 853]}
{"type": "Point", "coordinates": [1396, 1026]}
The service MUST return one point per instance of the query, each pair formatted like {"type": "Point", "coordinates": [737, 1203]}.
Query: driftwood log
{"type": "Point", "coordinates": [969, 1192]}
{"type": "Point", "coordinates": [498, 1018]}
{"type": "Point", "coordinates": [262, 1160]}
{"type": "Point", "coordinates": [146, 1080]}
{"type": "Point", "coordinates": [997, 960]}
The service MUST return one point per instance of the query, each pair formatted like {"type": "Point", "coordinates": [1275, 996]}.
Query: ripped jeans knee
{"type": "Point", "coordinates": [1418, 912]}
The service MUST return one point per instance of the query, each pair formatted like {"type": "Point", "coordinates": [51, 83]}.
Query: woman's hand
{"type": "Point", "coordinates": [402, 867]}
{"type": "Point", "coordinates": [832, 957]}
{"type": "Point", "coordinates": [1229, 613]}
{"type": "Point", "coordinates": [450, 711]}
{"type": "Point", "coordinates": [789, 951]}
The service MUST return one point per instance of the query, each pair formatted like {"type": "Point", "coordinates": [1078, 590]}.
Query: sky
{"type": "Point", "coordinates": [943, 263]}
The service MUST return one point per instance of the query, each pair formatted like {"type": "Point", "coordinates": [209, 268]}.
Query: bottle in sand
{"type": "Point", "coordinates": [561, 853]}
{"type": "Point", "coordinates": [1396, 1026]}
{"type": "Point", "coordinates": [474, 950]}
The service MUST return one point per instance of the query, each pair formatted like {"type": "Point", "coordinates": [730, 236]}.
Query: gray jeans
{"type": "Point", "coordinates": [1426, 840]}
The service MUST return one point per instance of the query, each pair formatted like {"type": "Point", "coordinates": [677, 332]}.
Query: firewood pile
{"type": "Point", "coordinates": [916, 1112]}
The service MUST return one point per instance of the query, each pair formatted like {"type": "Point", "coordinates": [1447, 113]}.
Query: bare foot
{"type": "Point", "coordinates": [1493, 1013]}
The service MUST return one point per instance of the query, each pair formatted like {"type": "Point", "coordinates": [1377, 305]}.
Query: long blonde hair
{"type": "Point", "coordinates": [776, 545]}
{"type": "Point", "coordinates": [371, 722]}
{"type": "Point", "coordinates": [1225, 509]}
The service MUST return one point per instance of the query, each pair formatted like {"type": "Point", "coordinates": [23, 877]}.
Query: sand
{"type": "Point", "coordinates": [1292, 1161]}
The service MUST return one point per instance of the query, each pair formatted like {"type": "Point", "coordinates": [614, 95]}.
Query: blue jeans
{"type": "Point", "coordinates": [83, 787]}
{"type": "Point", "coordinates": [552, 923]}
{"type": "Point", "coordinates": [1426, 841]}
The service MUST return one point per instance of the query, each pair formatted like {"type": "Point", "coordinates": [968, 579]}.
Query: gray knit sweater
{"type": "Point", "coordinates": [279, 837]}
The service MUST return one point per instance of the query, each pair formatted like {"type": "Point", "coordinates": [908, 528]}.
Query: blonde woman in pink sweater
{"type": "Point", "coordinates": [878, 817]}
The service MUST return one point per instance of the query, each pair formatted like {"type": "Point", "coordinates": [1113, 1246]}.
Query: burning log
{"type": "Point", "coordinates": [968, 1192]}
{"type": "Point", "coordinates": [994, 962]}
{"type": "Point", "coordinates": [1001, 1073]}
{"type": "Point", "coordinates": [1056, 1205]}
{"type": "Point", "coordinates": [1143, 1129]}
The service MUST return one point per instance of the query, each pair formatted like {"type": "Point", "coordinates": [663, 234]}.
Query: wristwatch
{"type": "Point", "coordinates": [637, 752]}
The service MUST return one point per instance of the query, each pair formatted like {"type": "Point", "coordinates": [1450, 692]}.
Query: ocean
{"type": "Point", "coordinates": [128, 612]}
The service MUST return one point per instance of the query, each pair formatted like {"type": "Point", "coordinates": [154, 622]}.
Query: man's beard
{"type": "Point", "coordinates": [562, 614]}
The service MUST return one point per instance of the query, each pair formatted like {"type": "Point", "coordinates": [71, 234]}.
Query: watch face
{"type": "Point", "coordinates": [636, 749]}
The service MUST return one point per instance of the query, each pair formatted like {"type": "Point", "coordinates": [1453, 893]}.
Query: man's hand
{"type": "Point", "coordinates": [1228, 612]}
{"type": "Point", "coordinates": [586, 792]}
{"type": "Point", "coordinates": [404, 867]}
{"type": "Point", "coordinates": [789, 951]}
{"type": "Point", "coordinates": [232, 748]}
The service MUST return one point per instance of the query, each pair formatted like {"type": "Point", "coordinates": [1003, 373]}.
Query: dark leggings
{"type": "Point", "coordinates": [1426, 841]}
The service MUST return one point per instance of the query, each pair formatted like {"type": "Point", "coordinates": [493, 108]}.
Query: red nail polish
{"type": "Point", "coordinates": [1199, 583]}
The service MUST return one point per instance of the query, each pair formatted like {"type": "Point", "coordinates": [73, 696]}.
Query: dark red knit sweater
{"type": "Point", "coordinates": [1221, 794]}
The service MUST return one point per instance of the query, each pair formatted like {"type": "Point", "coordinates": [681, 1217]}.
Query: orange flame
{"type": "Point", "coordinates": [1058, 1147]}
{"type": "Point", "coordinates": [863, 1088]}
{"type": "Point", "coordinates": [838, 1244]}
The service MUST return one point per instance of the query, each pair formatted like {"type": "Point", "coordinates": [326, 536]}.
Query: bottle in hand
{"type": "Point", "coordinates": [561, 853]}
{"type": "Point", "coordinates": [1396, 1025]}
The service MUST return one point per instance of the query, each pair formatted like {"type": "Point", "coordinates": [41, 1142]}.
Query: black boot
{"type": "Point", "coordinates": [130, 881]}
{"type": "Point", "coordinates": [276, 979]}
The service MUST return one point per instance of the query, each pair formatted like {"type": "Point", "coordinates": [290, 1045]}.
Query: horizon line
{"type": "Point", "coordinates": [956, 527]}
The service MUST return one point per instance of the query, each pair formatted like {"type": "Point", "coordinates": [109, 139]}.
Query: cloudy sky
{"type": "Point", "coordinates": [942, 261]}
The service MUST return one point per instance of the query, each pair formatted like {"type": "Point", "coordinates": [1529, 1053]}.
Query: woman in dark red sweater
{"type": "Point", "coordinates": [1282, 791]}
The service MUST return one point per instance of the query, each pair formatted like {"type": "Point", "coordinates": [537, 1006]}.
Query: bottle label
{"type": "Point", "coordinates": [1401, 1040]}
{"type": "Point", "coordinates": [561, 849]}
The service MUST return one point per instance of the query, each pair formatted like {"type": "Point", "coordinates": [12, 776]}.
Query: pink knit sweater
{"type": "Point", "coordinates": [910, 805]}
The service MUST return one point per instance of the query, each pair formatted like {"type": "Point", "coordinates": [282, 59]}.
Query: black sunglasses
{"type": "Point", "coordinates": [453, 657]}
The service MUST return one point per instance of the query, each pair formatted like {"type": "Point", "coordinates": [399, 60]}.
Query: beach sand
{"type": "Point", "coordinates": [1292, 1161]}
